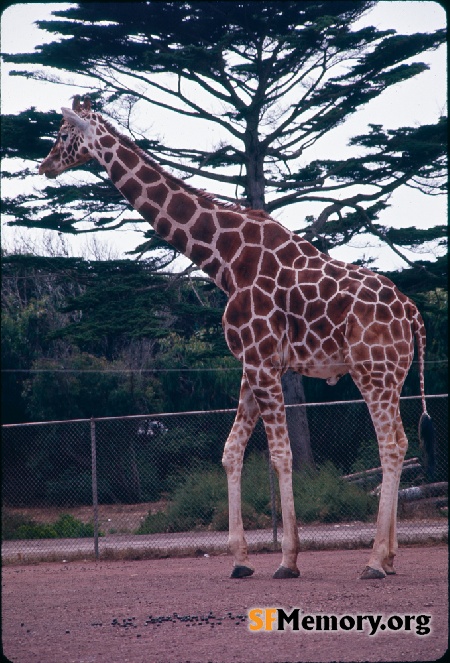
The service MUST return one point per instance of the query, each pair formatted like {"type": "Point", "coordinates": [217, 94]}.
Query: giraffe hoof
{"type": "Point", "coordinates": [372, 574]}
{"type": "Point", "coordinates": [284, 572]}
{"type": "Point", "coordinates": [241, 572]}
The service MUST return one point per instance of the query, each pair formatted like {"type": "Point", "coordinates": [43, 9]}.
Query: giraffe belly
{"type": "Point", "coordinates": [318, 365]}
{"type": "Point", "coordinates": [316, 351]}
{"type": "Point", "coordinates": [329, 373]}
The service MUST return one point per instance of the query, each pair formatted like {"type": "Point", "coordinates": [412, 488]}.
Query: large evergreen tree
{"type": "Point", "coordinates": [276, 78]}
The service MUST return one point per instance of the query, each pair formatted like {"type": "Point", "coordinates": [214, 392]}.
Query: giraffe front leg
{"type": "Point", "coordinates": [269, 396]}
{"type": "Point", "coordinates": [388, 561]}
{"type": "Point", "coordinates": [246, 418]}
{"type": "Point", "coordinates": [237, 543]}
{"type": "Point", "coordinates": [282, 462]}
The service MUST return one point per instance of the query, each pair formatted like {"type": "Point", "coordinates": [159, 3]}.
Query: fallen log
{"type": "Point", "coordinates": [378, 470]}
{"type": "Point", "coordinates": [421, 492]}
{"type": "Point", "coordinates": [412, 471]}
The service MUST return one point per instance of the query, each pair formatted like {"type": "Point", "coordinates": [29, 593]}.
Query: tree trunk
{"type": "Point", "coordinates": [291, 382]}
{"type": "Point", "coordinates": [297, 421]}
{"type": "Point", "coordinates": [254, 179]}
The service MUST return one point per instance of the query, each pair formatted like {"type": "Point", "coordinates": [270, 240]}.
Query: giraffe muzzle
{"type": "Point", "coordinates": [47, 171]}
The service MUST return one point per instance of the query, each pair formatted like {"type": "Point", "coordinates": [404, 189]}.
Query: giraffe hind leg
{"type": "Point", "coordinates": [393, 445]}
{"type": "Point", "coordinates": [402, 444]}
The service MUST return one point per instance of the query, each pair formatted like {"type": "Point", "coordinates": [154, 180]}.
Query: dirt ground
{"type": "Point", "coordinates": [190, 610]}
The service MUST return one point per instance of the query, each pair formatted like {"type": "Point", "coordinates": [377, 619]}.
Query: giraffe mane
{"type": "Point", "coordinates": [233, 207]}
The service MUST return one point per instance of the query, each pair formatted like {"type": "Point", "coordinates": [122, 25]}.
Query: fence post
{"type": "Point", "coordinates": [94, 486]}
{"type": "Point", "coordinates": [273, 505]}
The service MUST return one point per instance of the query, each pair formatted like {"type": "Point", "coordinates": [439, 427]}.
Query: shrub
{"type": "Point", "coordinates": [367, 457]}
{"type": "Point", "coordinates": [193, 503]}
{"type": "Point", "coordinates": [200, 501]}
{"type": "Point", "coordinates": [324, 497]}
{"type": "Point", "coordinates": [250, 517]}
{"type": "Point", "coordinates": [256, 485]}
{"type": "Point", "coordinates": [66, 527]}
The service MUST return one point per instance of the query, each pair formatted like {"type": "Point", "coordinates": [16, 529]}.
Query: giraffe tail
{"type": "Point", "coordinates": [427, 442]}
{"type": "Point", "coordinates": [427, 436]}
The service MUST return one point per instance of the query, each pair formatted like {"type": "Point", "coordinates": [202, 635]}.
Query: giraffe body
{"type": "Point", "coordinates": [289, 306]}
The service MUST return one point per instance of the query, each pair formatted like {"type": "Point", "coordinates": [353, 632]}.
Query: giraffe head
{"type": "Point", "coordinates": [71, 147]}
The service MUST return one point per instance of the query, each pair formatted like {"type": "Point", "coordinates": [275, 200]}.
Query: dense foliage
{"type": "Point", "coordinates": [88, 338]}
{"type": "Point", "coordinates": [200, 501]}
{"type": "Point", "coordinates": [85, 338]}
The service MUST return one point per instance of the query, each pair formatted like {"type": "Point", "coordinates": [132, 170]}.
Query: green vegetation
{"type": "Point", "coordinates": [66, 527]}
{"type": "Point", "coordinates": [76, 344]}
{"type": "Point", "coordinates": [323, 496]}
{"type": "Point", "coordinates": [200, 501]}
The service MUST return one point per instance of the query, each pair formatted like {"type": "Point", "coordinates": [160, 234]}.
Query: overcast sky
{"type": "Point", "coordinates": [417, 101]}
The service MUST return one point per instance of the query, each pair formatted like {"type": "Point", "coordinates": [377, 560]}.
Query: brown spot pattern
{"type": "Point", "coordinates": [200, 253]}
{"type": "Point", "coordinates": [227, 245]}
{"type": "Point", "coordinates": [229, 220]}
{"type": "Point", "coordinates": [245, 267]}
{"type": "Point", "coordinates": [181, 207]}
{"type": "Point", "coordinates": [117, 171]}
{"type": "Point", "coordinates": [107, 141]}
{"type": "Point", "coordinates": [158, 194]}
{"type": "Point", "coordinates": [204, 228]}
{"type": "Point", "coordinates": [127, 157]}
{"type": "Point", "coordinates": [131, 189]}
{"type": "Point", "coordinates": [179, 240]}
{"type": "Point", "coordinates": [147, 175]}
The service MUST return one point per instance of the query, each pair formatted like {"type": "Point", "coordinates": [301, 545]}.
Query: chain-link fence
{"type": "Point", "coordinates": [147, 486]}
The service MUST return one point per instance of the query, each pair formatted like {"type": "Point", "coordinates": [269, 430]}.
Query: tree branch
{"type": "Point", "coordinates": [369, 225]}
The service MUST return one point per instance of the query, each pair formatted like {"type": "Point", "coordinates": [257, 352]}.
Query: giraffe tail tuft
{"type": "Point", "coordinates": [427, 442]}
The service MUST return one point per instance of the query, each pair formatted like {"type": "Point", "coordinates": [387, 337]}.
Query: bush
{"type": "Point", "coordinates": [200, 502]}
{"type": "Point", "coordinates": [256, 485]}
{"type": "Point", "coordinates": [66, 527]}
{"type": "Point", "coordinates": [367, 457]}
{"type": "Point", "coordinates": [323, 496]}
{"type": "Point", "coordinates": [193, 503]}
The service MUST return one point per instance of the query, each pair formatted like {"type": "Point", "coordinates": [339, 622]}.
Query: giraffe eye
{"type": "Point", "coordinates": [64, 137]}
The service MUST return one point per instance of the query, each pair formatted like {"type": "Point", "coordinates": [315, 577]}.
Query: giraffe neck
{"type": "Point", "coordinates": [208, 233]}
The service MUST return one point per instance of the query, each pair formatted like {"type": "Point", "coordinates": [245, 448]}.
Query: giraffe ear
{"type": "Point", "coordinates": [74, 119]}
{"type": "Point", "coordinates": [76, 104]}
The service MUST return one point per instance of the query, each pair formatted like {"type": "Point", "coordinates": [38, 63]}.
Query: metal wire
{"type": "Point", "coordinates": [153, 485]}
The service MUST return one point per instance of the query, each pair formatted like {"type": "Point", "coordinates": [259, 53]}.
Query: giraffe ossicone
{"type": "Point", "coordinates": [289, 306]}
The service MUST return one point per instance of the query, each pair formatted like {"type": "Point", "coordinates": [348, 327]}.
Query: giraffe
{"type": "Point", "coordinates": [289, 306]}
